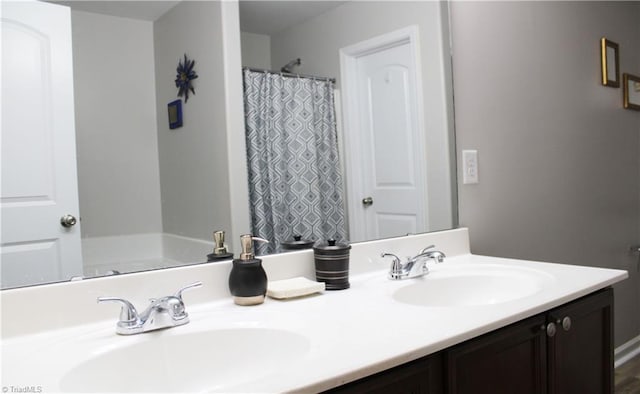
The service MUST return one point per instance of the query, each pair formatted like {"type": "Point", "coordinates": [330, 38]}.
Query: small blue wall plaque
{"type": "Point", "coordinates": [175, 114]}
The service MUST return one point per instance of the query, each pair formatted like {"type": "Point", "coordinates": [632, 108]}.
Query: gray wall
{"type": "Point", "coordinates": [194, 168]}
{"type": "Point", "coordinates": [118, 178]}
{"type": "Point", "coordinates": [558, 155]}
{"type": "Point", "coordinates": [256, 50]}
{"type": "Point", "coordinates": [318, 42]}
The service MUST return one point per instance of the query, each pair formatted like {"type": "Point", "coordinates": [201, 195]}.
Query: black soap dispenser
{"type": "Point", "coordinates": [248, 280]}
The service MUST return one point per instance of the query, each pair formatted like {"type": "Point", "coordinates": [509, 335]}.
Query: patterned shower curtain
{"type": "Point", "coordinates": [295, 183]}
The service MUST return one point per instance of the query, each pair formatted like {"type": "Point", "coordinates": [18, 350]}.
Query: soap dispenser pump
{"type": "Point", "coordinates": [248, 280]}
{"type": "Point", "coordinates": [220, 250]}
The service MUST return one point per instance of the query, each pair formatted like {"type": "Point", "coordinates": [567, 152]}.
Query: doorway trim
{"type": "Point", "coordinates": [348, 75]}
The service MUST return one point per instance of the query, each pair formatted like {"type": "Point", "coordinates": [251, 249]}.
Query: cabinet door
{"type": "Point", "coordinates": [581, 352]}
{"type": "Point", "coordinates": [511, 360]}
{"type": "Point", "coordinates": [422, 376]}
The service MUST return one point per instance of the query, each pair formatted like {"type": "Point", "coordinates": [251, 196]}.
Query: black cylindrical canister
{"type": "Point", "coordinates": [332, 264]}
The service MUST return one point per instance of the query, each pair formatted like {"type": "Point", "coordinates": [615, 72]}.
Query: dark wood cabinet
{"type": "Point", "coordinates": [566, 350]}
{"type": "Point", "coordinates": [580, 354]}
{"type": "Point", "coordinates": [507, 361]}
{"type": "Point", "coordinates": [422, 376]}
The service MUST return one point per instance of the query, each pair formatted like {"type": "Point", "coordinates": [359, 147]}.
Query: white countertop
{"type": "Point", "coordinates": [341, 336]}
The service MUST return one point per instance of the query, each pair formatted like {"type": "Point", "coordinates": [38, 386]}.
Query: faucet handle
{"type": "Point", "coordinates": [436, 255]}
{"type": "Point", "coordinates": [423, 251]}
{"type": "Point", "coordinates": [187, 287]}
{"type": "Point", "coordinates": [128, 313]}
{"type": "Point", "coordinates": [385, 254]}
{"type": "Point", "coordinates": [396, 265]}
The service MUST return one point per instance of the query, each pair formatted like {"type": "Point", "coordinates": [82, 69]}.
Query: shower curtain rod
{"type": "Point", "coordinates": [289, 75]}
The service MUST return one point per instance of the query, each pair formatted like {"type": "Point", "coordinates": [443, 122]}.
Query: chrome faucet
{"type": "Point", "coordinates": [164, 312]}
{"type": "Point", "coordinates": [415, 266]}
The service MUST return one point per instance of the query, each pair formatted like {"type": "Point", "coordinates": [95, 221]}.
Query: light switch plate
{"type": "Point", "coordinates": [469, 167]}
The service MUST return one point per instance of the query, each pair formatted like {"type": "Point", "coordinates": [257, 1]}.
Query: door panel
{"type": "Point", "coordinates": [510, 360]}
{"type": "Point", "coordinates": [389, 126]}
{"type": "Point", "coordinates": [395, 224]}
{"type": "Point", "coordinates": [392, 151]}
{"type": "Point", "coordinates": [39, 182]}
{"type": "Point", "coordinates": [581, 353]}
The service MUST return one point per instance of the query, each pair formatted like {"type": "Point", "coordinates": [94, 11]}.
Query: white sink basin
{"type": "Point", "coordinates": [472, 285]}
{"type": "Point", "coordinates": [215, 360]}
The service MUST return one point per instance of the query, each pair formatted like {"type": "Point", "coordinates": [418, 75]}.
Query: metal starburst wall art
{"type": "Point", "coordinates": [185, 74]}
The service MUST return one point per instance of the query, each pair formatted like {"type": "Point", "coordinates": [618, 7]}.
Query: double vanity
{"type": "Point", "coordinates": [472, 323]}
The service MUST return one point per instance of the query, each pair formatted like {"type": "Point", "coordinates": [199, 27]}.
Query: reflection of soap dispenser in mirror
{"type": "Point", "coordinates": [248, 280]}
{"type": "Point", "coordinates": [220, 250]}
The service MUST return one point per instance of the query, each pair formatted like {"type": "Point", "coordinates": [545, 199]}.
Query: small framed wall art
{"type": "Point", "coordinates": [610, 65]}
{"type": "Point", "coordinates": [175, 114]}
{"type": "Point", "coordinates": [631, 91]}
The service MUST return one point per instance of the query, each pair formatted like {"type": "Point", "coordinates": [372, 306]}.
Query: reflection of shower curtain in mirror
{"type": "Point", "coordinates": [295, 184]}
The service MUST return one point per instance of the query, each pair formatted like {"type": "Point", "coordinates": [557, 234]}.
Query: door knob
{"type": "Point", "coordinates": [68, 221]}
{"type": "Point", "coordinates": [367, 201]}
{"type": "Point", "coordinates": [565, 322]}
{"type": "Point", "coordinates": [551, 329]}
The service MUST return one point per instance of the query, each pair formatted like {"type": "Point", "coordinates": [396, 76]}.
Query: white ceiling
{"type": "Point", "coordinates": [145, 10]}
{"type": "Point", "coordinates": [269, 17]}
{"type": "Point", "coordinates": [256, 16]}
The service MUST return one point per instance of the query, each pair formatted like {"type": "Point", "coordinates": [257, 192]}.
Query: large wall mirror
{"type": "Point", "coordinates": [149, 197]}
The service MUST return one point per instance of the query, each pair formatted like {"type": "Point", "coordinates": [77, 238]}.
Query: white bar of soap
{"type": "Point", "coordinates": [294, 287]}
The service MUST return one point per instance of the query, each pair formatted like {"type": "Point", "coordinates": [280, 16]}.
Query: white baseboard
{"type": "Point", "coordinates": [626, 351]}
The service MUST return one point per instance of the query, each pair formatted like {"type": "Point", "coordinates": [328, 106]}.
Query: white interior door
{"type": "Point", "coordinates": [39, 181]}
{"type": "Point", "coordinates": [392, 200]}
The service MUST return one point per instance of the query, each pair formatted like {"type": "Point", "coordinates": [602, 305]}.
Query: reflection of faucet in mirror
{"type": "Point", "coordinates": [174, 186]}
